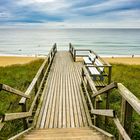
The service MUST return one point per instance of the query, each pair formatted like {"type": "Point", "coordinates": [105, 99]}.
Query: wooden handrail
{"type": "Point", "coordinates": [74, 54]}
{"type": "Point", "coordinates": [129, 101]}
{"type": "Point", "coordinates": [34, 81]}
{"type": "Point", "coordinates": [103, 132]}
{"type": "Point", "coordinates": [103, 112]}
{"type": "Point", "coordinates": [97, 66]}
{"type": "Point", "coordinates": [21, 134]}
{"type": "Point", "coordinates": [39, 89]}
{"type": "Point", "coordinates": [91, 84]}
{"type": "Point", "coordinates": [83, 50]}
{"type": "Point", "coordinates": [25, 114]}
{"type": "Point", "coordinates": [14, 116]}
{"type": "Point", "coordinates": [20, 115]}
{"type": "Point", "coordinates": [105, 89]}
{"type": "Point", "coordinates": [31, 86]}
{"type": "Point", "coordinates": [111, 113]}
{"type": "Point", "coordinates": [121, 129]}
{"type": "Point", "coordinates": [14, 91]}
{"type": "Point", "coordinates": [105, 62]}
{"type": "Point", "coordinates": [129, 97]}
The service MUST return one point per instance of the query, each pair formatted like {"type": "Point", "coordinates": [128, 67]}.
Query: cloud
{"type": "Point", "coordinates": [65, 13]}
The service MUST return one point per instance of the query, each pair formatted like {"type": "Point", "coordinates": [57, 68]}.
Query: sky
{"type": "Point", "coordinates": [71, 13]}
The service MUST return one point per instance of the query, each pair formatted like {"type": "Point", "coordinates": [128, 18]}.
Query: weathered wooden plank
{"type": "Point", "coordinates": [39, 89]}
{"type": "Point", "coordinates": [21, 134]}
{"type": "Point", "coordinates": [46, 102]}
{"type": "Point", "coordinates": [104, 112]}
{"type": "Point", "coordinates": [43, 98]}
{"type": "Point", "coordinates": [63, 105]}
{"type": "Point", "coordinates": [64, 118]}
{"type": "Point", "coordinates": [53, 111]}
{"type": "Point", "coordinates": [88, 97]}
{"type": "Point", "coordinates": [75, 79]}
{"type": "Point", "coordinates": [70, 103]}
{"type": "Point", "coordinates": [83, 121]}
{"type": "Point", "coordinates": [1, 124]}
{"type": "Point", "coordinates": [74, 102]}
{"type": "Point", "coordinates": [92, 86]}
{"type": "Point", "coordinates": [121, 129]}
{"type": "Point", "coordinates": [14, 116]}
{"type": "Point", "coordinates": [126, 117]}
{"type": "Point", "coordinates": [85, 110]}
{"type": "Point", "coordinates": [52, 92]}
{"type": "Point", "coordinates": [105, 89]}
{"type": "Point", "coordinates": [60, 105]}
{"type": "Point", "coordinates": [129, 97]}
{"type": "Point", "coordinates": [103, 132]}
{"type": "Point", "coordinates": [57, 101]}
{"type": "Point", "coordinates": [36, 78]}
{"type": "Point", "coordinates": [105, 62]}
{"type": "Point", "coordinates": [14, 91]}
{"type": "Point", "coordinates": [51, 104]}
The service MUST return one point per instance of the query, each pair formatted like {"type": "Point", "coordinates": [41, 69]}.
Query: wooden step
{"type": "Point", "coordinates": [64, 134]}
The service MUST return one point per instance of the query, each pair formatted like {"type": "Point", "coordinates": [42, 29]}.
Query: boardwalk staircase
{"type": "Point", "coordinates": [64, 100]}
{"type": "Point", "coordinates": [65, 134]}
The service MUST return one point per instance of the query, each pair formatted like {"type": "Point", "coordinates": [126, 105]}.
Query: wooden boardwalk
{"type": "Point", "coordinates": [63, 103]}
{"type": "Point", "coordinates": [63, 85]}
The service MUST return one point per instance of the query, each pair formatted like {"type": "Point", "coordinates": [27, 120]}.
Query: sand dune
{"type": "Point", "coordinates": [124, 60]}
{"type": "Point", "coordinates": [10, 60]}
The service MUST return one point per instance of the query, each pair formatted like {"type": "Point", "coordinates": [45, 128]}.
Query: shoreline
{"type": "Point", "coordinates": [41, 55]}
{"type": "Point", "coordinates": [23, 55]}
{"type": "Point", "coordinates": [6, 60]}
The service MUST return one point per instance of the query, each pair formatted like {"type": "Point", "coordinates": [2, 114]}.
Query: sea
{"type": "Point", "coordinates": [38, 41]}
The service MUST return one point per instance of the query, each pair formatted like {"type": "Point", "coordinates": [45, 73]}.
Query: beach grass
{"type": "Point", "coordinates": [129, 76]}
{"type": "Point", "coordinates": [18, 77]}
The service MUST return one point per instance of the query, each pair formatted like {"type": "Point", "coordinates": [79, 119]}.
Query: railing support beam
{"type": "Point", "coordinates": [24, 109]}
{"type": "Point", "coordinates": [126, 117]}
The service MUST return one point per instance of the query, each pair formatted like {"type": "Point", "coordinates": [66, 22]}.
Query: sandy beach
{"type": "Point", "coordinates": [124, 60]}
{"type": "Point", "coordinates": [10, 60]}
{"type": "Point", "coordinates": [120, 60]}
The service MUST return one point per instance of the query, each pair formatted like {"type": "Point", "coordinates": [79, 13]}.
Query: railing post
{"type": "Point", "coordinates": [107, 107]}
{"type": "Point", "coordinates": [97, 106]}
{"type": "Point", "coordinates": [36, 90]}
{"type": "Point", "coordinates": [74, 57]}
{"type": "Point", "coordinates": [69, 47]}
{"type": "Point", "coordinates": [82, 77]}
{"type": "Point", "coordinates": [126, 117]}
{"type": "Point", "coordinates": [107, 94]}
{"type": "Point", "coordinates": [109, 74]}
{"type": "Point", "coordinates": [24, 109]}
{"type": "Point", "coordinates": [72, 51]}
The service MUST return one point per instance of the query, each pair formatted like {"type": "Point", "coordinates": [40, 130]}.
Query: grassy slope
{"type": "Point", "coordinates": [19, 77]}
{"type": "Point", "coordinates": [128, 75]}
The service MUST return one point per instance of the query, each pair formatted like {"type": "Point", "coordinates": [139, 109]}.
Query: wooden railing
{"type": "Point", "coordinates": [106, 65]}
{"type": "Point", "coordinates": [129, 103]}
{"type": "Point", "coordinates": [36, 85]}
{"type": "Point", "coordinates": [74, 51]}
